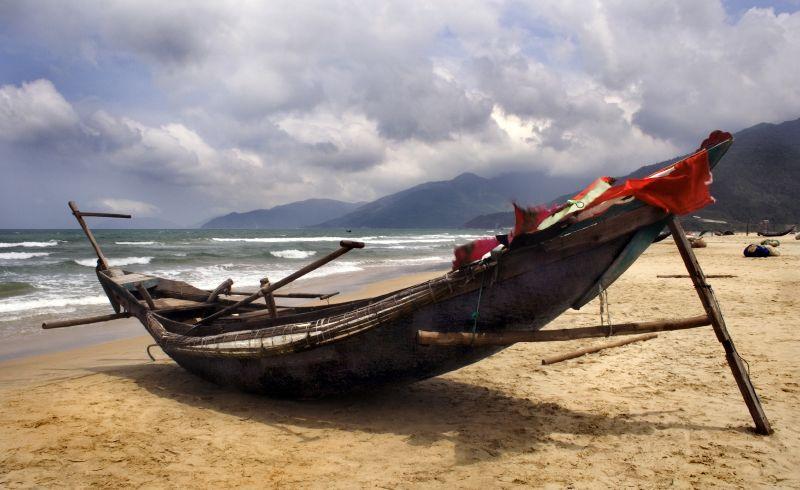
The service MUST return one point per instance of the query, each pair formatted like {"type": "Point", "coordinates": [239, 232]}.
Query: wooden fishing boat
{"type": "Point", "coordinates": [785, 232]}
{"type": "Point", "coordinates": [311, 351]}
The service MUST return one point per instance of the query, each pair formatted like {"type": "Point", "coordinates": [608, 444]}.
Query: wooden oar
{"type": "Point", "coordinates": [345, 246]}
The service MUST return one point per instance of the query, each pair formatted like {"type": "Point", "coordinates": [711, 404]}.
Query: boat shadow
{"type": "Point", "coordinates": [481, 422]}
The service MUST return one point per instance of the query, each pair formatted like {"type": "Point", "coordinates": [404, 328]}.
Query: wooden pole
{"type": "Point", "coordinates": [84, 321]}
{"type": "Point", "coordinates": [224, 286]}
{"type": "Point", "coordinates": [685, 276]}
{"type": "Point", "coordinates": [79, 216]}
{"type": "Point", "coordinates": [512, 337]}
{"type": "Point", "coordinates": [269, 299]}
{"type": "Point", "coordinates": [596, 348]}
{"type": "Point", "coordinates": [145, 296]}
{"type": "Point", "coordinates": [712, 308]}
{"type": "Point", "coordinates": [345, 246]}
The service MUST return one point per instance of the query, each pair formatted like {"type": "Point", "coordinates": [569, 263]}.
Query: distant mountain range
{"type": "Point", "coordinates": [299, 214]}
{"type": "Point", "coordinates": [758, 179]}
{"type": "Point", "coordinates": [449, 203]}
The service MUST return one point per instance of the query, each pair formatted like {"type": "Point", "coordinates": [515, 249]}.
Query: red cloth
{"type": "Point", "coordinates": [526, 220]}
{"type": "Point", "coordinates": [466, 254]}
{"type": "Point", "coordinates": [682, 191]}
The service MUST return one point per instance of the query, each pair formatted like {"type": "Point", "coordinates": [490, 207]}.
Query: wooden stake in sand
{"type": "Point", "coordinates": [596, 348]}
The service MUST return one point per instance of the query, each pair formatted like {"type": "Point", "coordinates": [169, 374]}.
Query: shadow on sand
{"type": "Point", "coordinates": [481, 422]}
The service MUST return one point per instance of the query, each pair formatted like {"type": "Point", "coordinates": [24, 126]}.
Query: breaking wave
{"type": "Point", "coordinates": [293, 254]}
{"type": "Point", "coordinates": [115, 262]}
{"type": "Point", "coordinates": [280, 239]}
{"type": "Point", "coordinates": [135, 243]}
{"type": "Point", "coordinates": [51, 243]}
{"type": "Point", "coordinates": [22, 255]}
{"type": "Point", "coordinates": [37, 304]}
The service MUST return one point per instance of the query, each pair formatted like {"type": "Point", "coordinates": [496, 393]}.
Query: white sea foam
{"type": "Point", "coordinates": [417, 260]}
{"type": "Point", "coordinates": [115, 262]}
{"type": "Point", "coordinates": [51, 243]}
{"type": "Point", "coordinates": [293, 254]}
{"type": "Point", "coordinates": [38, 304]}
{"type": "Point", "coordinates": [135, 243]}
{"type": "Point", "coordinates": [280, 239]}
{"type": "Point", "coordinates": [22, 255]}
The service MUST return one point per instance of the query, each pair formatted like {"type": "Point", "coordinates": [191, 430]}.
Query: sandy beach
{"type": "Point", "coordinates": [661, 413]}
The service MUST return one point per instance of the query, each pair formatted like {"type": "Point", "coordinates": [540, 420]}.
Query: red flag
{"type": "Point", "coordinates": [681, 191]}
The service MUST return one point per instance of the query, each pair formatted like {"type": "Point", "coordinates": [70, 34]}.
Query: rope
{"type": "Point", "coordinates": [147, 349]}
{"type": "Point", "coordinates": [605, 311]}
{"type": "Point", "coordinates": [477, 312]}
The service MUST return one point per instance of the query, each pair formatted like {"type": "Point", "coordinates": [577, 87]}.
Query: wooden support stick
{"type": "Point", "coordinates": [345, 246]}
{"type": "Point", "coordinates": [512, 337]}
{"type": "Point", "coordinates": [269, 299]}
{"type": "Point", "coordinates": [290, 295]}
{"type": "Point", "coordinates": [84, 321]}
{"type": "Point", "coordinates": [104, 215]}
{"type": "Point", "coordinates": [145, 296]}
{"type": "Point", "coordinates": [597, 348]}
{"type": "Point", "coordinates": [714, 313]}
{"type": "Point", "coordinates": [686, 276]}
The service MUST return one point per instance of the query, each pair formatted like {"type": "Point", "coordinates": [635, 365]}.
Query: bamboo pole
{"type": "Point", "coordinates": [345, 246]}
{"type": "Point", "coordinates": [512, 337]}
{"type": "Point", "coordinates": [84, 321]}
{"type": "Point", "coordinates": [714, 313]}
{"type": "Point", "coordinates": [686, 276]}
{"type": "Point", "coordinates": [596, 348]}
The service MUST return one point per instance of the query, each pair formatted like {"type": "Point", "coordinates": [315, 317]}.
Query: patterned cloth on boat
{"type": "Point", "coordinates": [472, 251]}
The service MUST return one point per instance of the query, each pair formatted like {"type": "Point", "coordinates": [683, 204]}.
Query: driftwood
{"type": "Point", "coordinates": [512, 337]}
{"type": "Point", "coordinates": [84, 321]}
{"type": "Point", "coordinates": [596, 348]}
{"type": "Point", "coordinates": [686, 276]}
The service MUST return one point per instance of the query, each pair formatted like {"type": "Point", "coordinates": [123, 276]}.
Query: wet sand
{"type": "Point", "coordinates": [661, 413]}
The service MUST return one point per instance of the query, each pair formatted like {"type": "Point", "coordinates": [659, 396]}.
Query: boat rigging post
{"type": "Point", "coordinates": [714, 313]}
{"type": "Point", "coordinates": [79, 216]}
{"type": "Point", "coordinates": [102, 262]}
{"type": "Point", "coordinates": [344, 247]}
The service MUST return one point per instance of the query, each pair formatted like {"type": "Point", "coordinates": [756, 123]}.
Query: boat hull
{"type": "Point", "coordinates": [390, 353]}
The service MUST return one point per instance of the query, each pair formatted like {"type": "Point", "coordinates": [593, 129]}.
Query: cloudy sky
{"type": "Point", "coordinates": [182, 111]}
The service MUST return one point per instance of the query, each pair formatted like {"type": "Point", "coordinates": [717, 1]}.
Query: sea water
{"type": "Point", "coordinates": [49, 274]}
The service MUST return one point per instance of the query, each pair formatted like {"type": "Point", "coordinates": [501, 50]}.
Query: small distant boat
{"type": "Point", "coordinates": [223, 335]}
{"type": "Point", "coordinates": [785, 232]}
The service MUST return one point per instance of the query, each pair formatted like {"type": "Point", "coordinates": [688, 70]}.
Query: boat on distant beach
{"type": "Point", "coordinates": [555, 259]}
{"type": "Point", "coordinates": [785, 232]}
